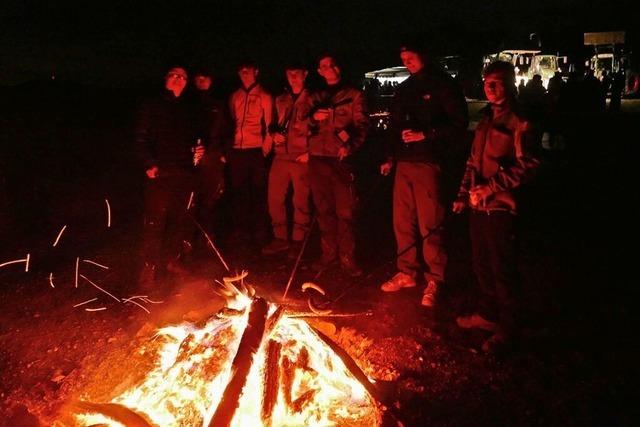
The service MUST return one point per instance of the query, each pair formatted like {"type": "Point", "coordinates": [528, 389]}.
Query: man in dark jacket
{"type": "Point", "coordinates": [213, 128]}
{"type": "Point", "coordinates": [428, 118]}
{"type": "Point", "coordinates": [338, 127]}
{"type": "Point", "coordinates": [165, 140]}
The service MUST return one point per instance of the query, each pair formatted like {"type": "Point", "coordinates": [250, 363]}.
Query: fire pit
{"type": "Point", "coordinates": [251, 364]}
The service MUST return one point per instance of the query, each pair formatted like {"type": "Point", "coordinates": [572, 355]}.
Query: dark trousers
{"type": "Point", "coordinates": [209, 189]}
{"type": "Point", "coordinates": [248, 179]}
{"type": "Point", "coordinates": [418, 213]}
{"type": "Point", "coordinates": [494, 265]}
{"type": "Point", "coordinates": [333, 191]}
{"type": "Point", "coordinates": [167, 223]}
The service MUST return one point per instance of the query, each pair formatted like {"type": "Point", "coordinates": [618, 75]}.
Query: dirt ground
{"type": "Point", "coordinates": [576, 363]}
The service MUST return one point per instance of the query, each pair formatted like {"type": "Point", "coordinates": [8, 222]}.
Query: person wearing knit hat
{"type": "Point", "coordinates": [428, 120]}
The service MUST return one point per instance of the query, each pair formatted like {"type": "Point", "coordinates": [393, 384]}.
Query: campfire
{"type": "Point", "coordinates": [251, 364]}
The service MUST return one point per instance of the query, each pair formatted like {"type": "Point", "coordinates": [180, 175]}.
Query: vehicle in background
{"type": "Point", "coordinates": [527, 63]}
{"type": "Point", "coordinates": [613, 55]}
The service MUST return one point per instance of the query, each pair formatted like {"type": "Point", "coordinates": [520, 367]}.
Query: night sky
{"type": "Point", "coordinates": [120, 41]}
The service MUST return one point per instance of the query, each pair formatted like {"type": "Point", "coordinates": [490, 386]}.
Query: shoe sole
{"type": "Point", "coordinates": [398, 289]}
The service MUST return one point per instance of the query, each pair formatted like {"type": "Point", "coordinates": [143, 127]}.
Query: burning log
{"type": "Point", "coordinates": [271, 380]}
{"type": "Point", "coordinates": [119, 413]}
{"type": "Point", "coordinates": [249, 344]}
{"type": "Point", "coordinates": [288, 373]}
{"type": "Point", "coordinates": [306, 397]}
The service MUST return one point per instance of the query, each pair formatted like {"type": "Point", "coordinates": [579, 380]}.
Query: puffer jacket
{"type": "Point", "coordinates": [348, 118]}
{"type": "Point", "coordinates": [503, 156]}
{"type": "Point", "coordinates": [251, 110]}
{"type": "Point", "coordinates": [165, 133]}
{"type": "Point", "coordinates": [290, 114]}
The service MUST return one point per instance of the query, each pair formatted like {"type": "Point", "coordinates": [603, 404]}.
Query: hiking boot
{"type": "Point", "coordinates": [397, 282]}
{"type": "Point", "coordinates": [430, 294]}
{"type": "Point", "coordinates": [349, 266]}
{"type": "Point", "coordinates": [275, 246]}
{"type": "Point", "coordinates": [475, 321]}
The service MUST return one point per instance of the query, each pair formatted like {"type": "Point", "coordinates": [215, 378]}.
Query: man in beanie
{"type": "Point", "coordinates": [502, 158]}
{"type": "Point", "coordinates": [428, 118]}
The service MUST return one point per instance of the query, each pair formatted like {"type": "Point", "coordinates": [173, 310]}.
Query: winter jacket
{"type": "Point", "coordinates": [212, 121]}
{"type": "Point", "coordinates": [164, 134]}
{"type": "Point", "coordinates": [429, 101]}
{"type": "Point", "coordinates": [503, 156]}
{"type": "Point", "coordinates": [347, 123]}
{"type": "Point", "coordinates": [251, 110]}
{"type": "Point", "coordinates": [289, 115]}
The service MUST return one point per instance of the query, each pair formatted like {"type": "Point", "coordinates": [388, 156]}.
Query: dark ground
{"type": "Point", "coordinates": [65, 149]}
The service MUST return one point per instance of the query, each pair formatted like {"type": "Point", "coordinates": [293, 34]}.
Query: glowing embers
{"type": "Point", "coordinates": [247, 366]}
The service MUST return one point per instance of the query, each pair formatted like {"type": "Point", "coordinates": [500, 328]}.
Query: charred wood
{"type": "Point", "coordinates": [271, 379]}
{"type": "Point", "coordinates": [249, 344]}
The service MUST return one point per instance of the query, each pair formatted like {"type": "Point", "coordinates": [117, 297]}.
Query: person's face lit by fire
{"type": "Point", "coordinates": [296, 79]}
{"type": "Point", "coordinates": [495, 89]}
{"type": "Point", "coordinates": [202, 82]}
{"type": "Point", "coordinates": [248, 75]}
{"type": "Point", "coordinates": [176, 80]}
{"type": "Point", "coordinates": [329, 70]}
{"type": "Point", "coordinates": [412, 61]}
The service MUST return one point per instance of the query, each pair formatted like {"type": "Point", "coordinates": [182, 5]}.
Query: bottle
{"type": "Point", "coordinates": [196, 157]}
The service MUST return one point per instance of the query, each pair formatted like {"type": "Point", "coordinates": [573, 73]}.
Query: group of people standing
{"type": "Point", "coordinates": [313, 136]}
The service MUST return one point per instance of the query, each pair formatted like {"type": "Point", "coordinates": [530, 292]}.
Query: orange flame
{"type": "Point", "coordinates": [194, 364]}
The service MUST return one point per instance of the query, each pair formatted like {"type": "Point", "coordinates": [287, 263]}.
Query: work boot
{"type": "Point", "coordinates": [476, 321]}
{"type": "Point", "coordinates": [399, 281]}
{"type": "Point", "coordinates": [350, 267]}
{"type": "Point", "coordinates": [430, 294]}
{"type": "Point", "coordinates": [275, 246]}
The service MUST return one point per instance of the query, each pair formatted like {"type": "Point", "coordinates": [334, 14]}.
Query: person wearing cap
{"type": "Point", "coordinates": [338, 127]}
{"type": "Point", "coordinates": [428, 119]}
{"type": "Point", "coordinates": [251, 109]}
{"type": "Point", "coordinates": [165, 141]}
{"type": "Point", "coordinates": [213, 128]}
{"type": "Point", "coordinates": [502, 158]}
{"type": "Point", "coordinates": [289, 168]}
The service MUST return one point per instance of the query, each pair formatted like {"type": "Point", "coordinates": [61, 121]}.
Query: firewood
{"type": "Point", "coordinates": [271, 379]}
{"type": "Point", "coordinates": [249, 344]}
{"type": "Point", "coordinates": [288, 373]}
{"type": "Point", "coordinates": [302, 401]}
